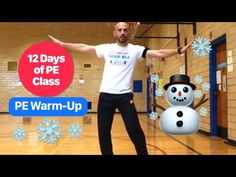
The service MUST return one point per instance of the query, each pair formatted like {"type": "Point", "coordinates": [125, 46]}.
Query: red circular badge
{"type": "Point", "coordinates": [46, 69]}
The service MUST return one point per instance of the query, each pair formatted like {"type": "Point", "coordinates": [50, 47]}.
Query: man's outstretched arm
{"type": "Point", "coordinates": [74, 46]}
{"type": "Point", "coordinates": [163, 53]}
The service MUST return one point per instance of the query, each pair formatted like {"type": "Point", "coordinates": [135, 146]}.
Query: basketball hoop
{"type": "Point", "coordinates": [133, 24]}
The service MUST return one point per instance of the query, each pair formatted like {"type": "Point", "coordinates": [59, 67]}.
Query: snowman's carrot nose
{"type": "Point", "coordinates": [179, 93]}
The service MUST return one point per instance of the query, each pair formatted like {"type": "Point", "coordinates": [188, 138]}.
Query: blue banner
{"type": "Point", "coordinates": [48, 106]}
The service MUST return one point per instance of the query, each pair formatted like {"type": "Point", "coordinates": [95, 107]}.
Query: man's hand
{"type": "Point", "coordinates": [185, 48]}
{"type": "Point", "coordinates": [55, 40]}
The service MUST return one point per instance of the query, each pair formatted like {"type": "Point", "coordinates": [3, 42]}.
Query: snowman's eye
{"type": "Point", "coordinates": [185, 89]}
{"type": "Point", "coordinates": [173, 89]}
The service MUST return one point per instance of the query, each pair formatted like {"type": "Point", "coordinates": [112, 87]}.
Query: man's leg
{"type": "Point", "coordinates": [130, 117]}
{"type": "Point", "coordinates": [106, 110]}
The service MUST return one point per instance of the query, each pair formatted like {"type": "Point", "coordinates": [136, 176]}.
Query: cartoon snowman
{"type": "Point", "coordinates": [180, 118]}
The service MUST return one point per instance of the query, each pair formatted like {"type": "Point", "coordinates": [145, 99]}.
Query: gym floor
{"type": "Point", "coordinates": [158, 143]}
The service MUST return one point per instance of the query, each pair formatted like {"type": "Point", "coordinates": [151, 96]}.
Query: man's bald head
{"type": "Point", "coordinates": [121, 24]}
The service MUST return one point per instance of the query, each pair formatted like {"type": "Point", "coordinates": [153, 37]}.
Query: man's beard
{"type": "Point", "coordinates": [122, 39]}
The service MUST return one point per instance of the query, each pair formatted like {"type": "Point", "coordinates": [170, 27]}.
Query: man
{"type": "Point", "coordinates": [115, 89]}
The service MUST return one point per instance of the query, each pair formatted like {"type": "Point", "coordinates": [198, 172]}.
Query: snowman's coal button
{"type": "Point", "coordinates": [179, 113]}
{"type": "Point", "coordinates": [179, 123]}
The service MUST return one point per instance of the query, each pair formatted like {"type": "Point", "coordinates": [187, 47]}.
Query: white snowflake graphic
{"type": "Point", "coordinates": [159, 92]}
{"type": "Point", "coordinates": [201, 46]}
{"type": "Point", "coordinates": [203, 111]}
{"type": "Point", "coordinates": [153, 115]}
{"type": "Point", "coordinates": [75, 130]}
{"type": "Point", "coordinates": [198, 79]}
{"type": "Point", "coordinates": [19, 134]}
{"type": "Point", "coordinates": [49, 131]}
{"type": "Point", "coordinates": [198, 94]}
{"type": "Point", "coordinates": [206, 86]}
{"type": "Point", "coordinates": [154, 78]}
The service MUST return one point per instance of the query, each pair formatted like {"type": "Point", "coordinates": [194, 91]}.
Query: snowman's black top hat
{"type": "Point", "coordinates": [179, 79]}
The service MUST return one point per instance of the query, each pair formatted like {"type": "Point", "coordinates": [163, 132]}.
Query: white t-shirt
{"type": "Point", "coordinates": [119, 66]}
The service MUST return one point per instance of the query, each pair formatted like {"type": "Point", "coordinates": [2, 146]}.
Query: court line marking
{"type": "Point", "coordinates": [173, 138]}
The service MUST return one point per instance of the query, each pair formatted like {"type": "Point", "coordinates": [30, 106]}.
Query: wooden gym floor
{"type": "Point", "coordinates": [158, 143]}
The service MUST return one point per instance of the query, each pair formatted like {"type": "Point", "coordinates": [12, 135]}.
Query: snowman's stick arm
{"type": "Point", "coordinates": [159, 106]}
{"type": "Point", "coordinates": [200, 102]}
